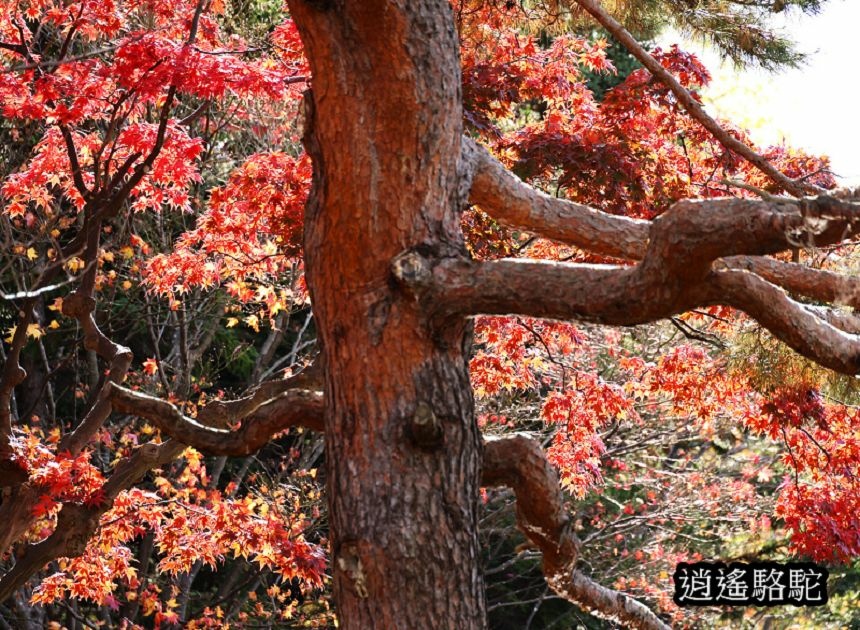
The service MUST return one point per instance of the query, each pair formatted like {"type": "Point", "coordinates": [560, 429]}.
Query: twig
{"type": "Point", "coordinates": [690, 104]}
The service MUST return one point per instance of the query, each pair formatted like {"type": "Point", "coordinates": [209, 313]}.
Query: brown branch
{"type": "Point", "coordinates": [690, 104]}
{"type": "Point", "coordinates": [792, 323]}
{"type": "Point", "coordinates": [197, 113]}
{"type": "Point", "coordinates": [296, 407]}
{"type": "Point", "coordinates": [818, 284]}
{"type": "Point", "coordinates": [64, 49]}
{"type": "Point", "coordinates": [15, 48]}
{"type": "Point", "coordinates": [81, 305]}
{"type": "Point", "coordinates": [223, 413]}
{"type": "Point", "coordinates": [625, 297]}
{"type": "Point", "coordinates": [77, 523]}
{"type": "Point", "coordinates": [514, 203]}
{"type": "Point", "coordinates": [519, 463]}
{"type": "Point", "coordinates": [674, 276]}
{"type": "Point", "coordinates": [195, 22]}
{"type": "Point", "coordinates": [112, 206]}
{"type": "Point", "coordinates": [847, 322]}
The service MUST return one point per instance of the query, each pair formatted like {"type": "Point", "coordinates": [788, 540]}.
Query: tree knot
{"type": "Point", "coordinates": [349, 562]}
{"type": "Point", "coordinates": [78, 305]}
{"type": "Point", "coordinates": [425, 427]}
{"type": "Point", "coordinates": [412, 269]}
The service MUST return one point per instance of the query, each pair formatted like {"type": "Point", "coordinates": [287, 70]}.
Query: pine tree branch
{"type": "Point", "coordinates": [512, 202]}
{"type": "Point", "coordinates": [793, 323]}
{"type": "Point", "coordinates": [675, 275]}
{"type": "Point", "coordinates": [818, 284]}
{"type": "Point", "coordinates": [519, 463]}
{"type": "Point", "coordinates": [518, 205]}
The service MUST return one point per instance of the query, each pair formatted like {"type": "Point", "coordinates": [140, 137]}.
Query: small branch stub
{"type": "Point", "coordinates": [349, 562]}
{"type": "Point", "coordinates": [425, 427]}
{"type": "Point", "coordinates": [412, 270]}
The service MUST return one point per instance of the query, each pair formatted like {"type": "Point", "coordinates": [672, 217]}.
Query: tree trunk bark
{"type": "Point", "coordinates": [383, 126]}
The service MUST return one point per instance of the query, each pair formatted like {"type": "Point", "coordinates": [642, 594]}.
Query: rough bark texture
{"type": "Point", "coordinates": [513, 203]}
{"type": "Point", "coordinates": [402, 448]}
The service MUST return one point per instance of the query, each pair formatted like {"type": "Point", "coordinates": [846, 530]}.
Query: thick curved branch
{"type": "Point", "coordinates": [674, 275]}
{"type": "Point", "coordinates": [512, 202]}
{"type": "Point", "coordinates": [519, 463]}
{"type": "Point", "coordinates": [682, 246]}
{"type": "Point", "coordinates": [623, 296]}
{"type": "Point", "coordinates": [791, 322]}
{"type": "Point", "coordinates": [81, 305]}
{"type": "Point", "coordinates": [602, 294]}
{"type": "Point", "coordinates": [817, 284]}
{"type": "Point", "coordinates": [77, 523]}
{"type": "Point", "coordinates": [288, 409]}
{"type": "Point", "coordinates": [222, 413]}
{"type": "Point", "coordinates": [690, 104]}
{"type": "Point", "coordinates": [724, 227]}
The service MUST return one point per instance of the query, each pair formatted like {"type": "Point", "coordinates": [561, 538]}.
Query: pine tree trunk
{"type": "Point", "coordinates": [384, 125]}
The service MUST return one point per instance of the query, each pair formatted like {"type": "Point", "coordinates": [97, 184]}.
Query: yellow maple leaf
{"type": "Point", "coordinates": [75, 264]}
{"type": "Point", "coordinates": [33, 330]}
{"type": "Point", "coordinates": [253, 322]}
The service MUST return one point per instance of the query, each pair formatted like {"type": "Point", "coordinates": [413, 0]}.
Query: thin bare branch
{"type": "Point", "coordinates": [690, 104]}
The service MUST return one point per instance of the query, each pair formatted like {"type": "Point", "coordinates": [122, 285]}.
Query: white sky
{"type": "Point", "coordinates": [816, 107]}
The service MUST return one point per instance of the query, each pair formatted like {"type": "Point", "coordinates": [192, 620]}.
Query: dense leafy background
{"type": "Point", "coordinates": [697, 438]}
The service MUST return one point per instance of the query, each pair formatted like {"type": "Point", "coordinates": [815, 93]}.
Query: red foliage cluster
{"type": "Point", "coordinates": [250, 231]}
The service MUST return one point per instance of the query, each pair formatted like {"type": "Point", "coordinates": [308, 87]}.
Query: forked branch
{"type": "Point", "coordinates": [519, 463]}
{"type": "Point", "coordinates": [296, 407]}
{"type": "Point", "coordinates": [698, 253]}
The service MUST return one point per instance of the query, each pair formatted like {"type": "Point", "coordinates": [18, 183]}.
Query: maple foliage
{"type": "Point", "coordinates": [178, 138]}
{"type": "Point", "coordinates": [136, 103]}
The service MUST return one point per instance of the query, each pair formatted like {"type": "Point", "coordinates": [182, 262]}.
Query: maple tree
{"type": "Point", "coordinates": [395, 228]}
